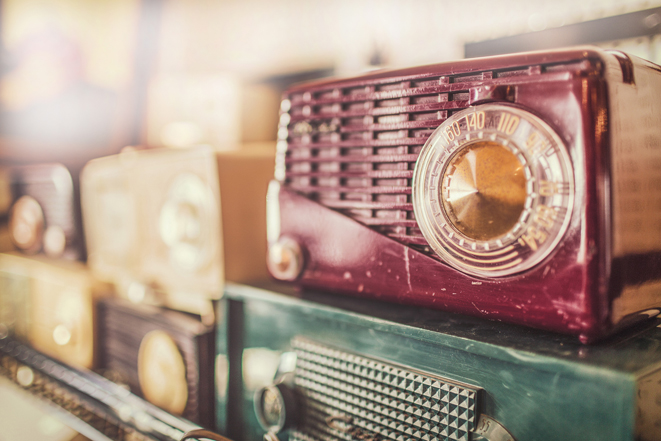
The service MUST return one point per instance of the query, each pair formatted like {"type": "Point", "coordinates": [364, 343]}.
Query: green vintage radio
{"type": "Point", "coordinates": [323, 368]}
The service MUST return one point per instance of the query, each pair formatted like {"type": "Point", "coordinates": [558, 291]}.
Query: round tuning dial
{"type": "Point", "coordinates": [162, 372]}
{"type": "Point", "coordinates": [285, 259]}
{"type": "Point", "coordinates": [493, 190]}
{"type": "Point", "coordinates": [275, 408]}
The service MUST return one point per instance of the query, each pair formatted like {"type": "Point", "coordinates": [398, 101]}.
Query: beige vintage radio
{"type": "Point", "coordinates": [169, 226]}
{"type": "Point", "coordinates": [50, 303]}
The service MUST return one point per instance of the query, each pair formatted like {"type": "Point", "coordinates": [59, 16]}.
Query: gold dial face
{"type": "Point", "coordinates": [493, 190]}
{"type": "Point", "coordinates": [162, 372]}
{"type": "Point", "coordinates": [486, 190]}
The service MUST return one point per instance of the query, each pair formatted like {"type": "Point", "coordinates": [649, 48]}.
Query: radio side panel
{"type": "Point", "coordinates": [635, 186]}
{"type": "Point", "coordinates": [243, 179]}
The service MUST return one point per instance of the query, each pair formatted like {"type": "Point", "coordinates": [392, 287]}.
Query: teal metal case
{"type": "Point", "coordinates": [341, 368]}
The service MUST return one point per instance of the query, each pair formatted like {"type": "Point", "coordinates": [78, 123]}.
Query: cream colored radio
{"type": "Point", "coordinates": [51, 304]}
{"type": "Point", "coordinates": [169, 226]}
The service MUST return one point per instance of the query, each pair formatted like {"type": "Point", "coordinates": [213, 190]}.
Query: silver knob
{"type": "Point", "coordinates": [285, 259]}
{"type": "Point", "coordinates": [276, 409]}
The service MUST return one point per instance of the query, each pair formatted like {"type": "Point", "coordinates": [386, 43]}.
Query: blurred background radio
{"type": "Point", "coordinates": [44, 210]}
{"type": "Point", "coordinates": [164, 356]}
{"type": "Point", "coordinates": [169, 226]}
{"type": "Point", "coordinates": [52, 305]}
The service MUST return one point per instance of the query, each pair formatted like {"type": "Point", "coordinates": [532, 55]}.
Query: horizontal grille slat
{"type": "Point", "coordinates": [389, 222]}
{"type": "Point", "coordinates": [379, 190]}
{"type": "Point", "coordinates": [399, 126]}
{"type": "Point", "coordinates": [379, 111]}
{"type": "Point", "coordinates": [366, 158]}
{"type": "Point", "coordinates": [297, 144]}
{"type": "Point", "coordinates": [379, 398]}
{"type": "Point", "coordinates": [367, 174]}
{"type": "Point", "coordinates": [413, 240]}
{"type": "Point", "coordinates": [368, 205]}
{"type": "Point", "coordinates": [393, 94]}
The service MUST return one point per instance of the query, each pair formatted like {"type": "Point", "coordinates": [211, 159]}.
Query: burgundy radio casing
{"type": "Point", "coordinates": [348, 147]}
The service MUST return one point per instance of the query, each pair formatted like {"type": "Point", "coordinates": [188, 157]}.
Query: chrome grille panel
{"type": "Point", "coordinates": [377, 399]}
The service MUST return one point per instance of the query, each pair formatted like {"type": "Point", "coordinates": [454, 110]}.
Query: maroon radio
{"type": "Point", "coordinates": [523, 188]}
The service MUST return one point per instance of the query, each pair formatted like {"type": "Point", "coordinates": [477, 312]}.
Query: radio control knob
{"type": "Point", "coordinates": [55, 241]}
{"type": "Point", "coordinates": [276, 408]}
{"type": "Point", "coordinates": [285, 259]}
{"type": "Point", "coordinates": [25, 376]}
{"type": "Point", "coordinates": [62, 335]}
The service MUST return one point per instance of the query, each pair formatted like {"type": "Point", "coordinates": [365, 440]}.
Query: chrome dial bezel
{"type": "Point", "coordinates": [549, 186]}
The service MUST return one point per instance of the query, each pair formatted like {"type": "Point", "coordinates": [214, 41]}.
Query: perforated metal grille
{"type": "Point", "coordinates": [368, 398]}
{"type": "Point", "coordinates": [353, 147]}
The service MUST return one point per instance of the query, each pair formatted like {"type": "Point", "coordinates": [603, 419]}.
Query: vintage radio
{"type": "Point", "coordinates": [164, 356]}
{"type": "Point", "coordinates": [342, 368]}
{"type": "Point", "coordinates": [168, 226]}
{"type": "Point", "coordinates": [42, 210]}
{"type": "Point", "coordinates": [93, 407]}
{"type": "Point", "coordinates": [522, 188]}
{"type": "Point", "coordinates": [50, 303]}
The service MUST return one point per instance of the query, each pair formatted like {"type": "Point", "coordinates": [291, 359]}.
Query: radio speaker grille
{"type": "Point", "coordinates": [346, 396]}
{"type": "Point", "coordinates": [353, 146]}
